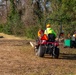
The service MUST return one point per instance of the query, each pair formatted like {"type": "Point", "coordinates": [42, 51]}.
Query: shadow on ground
{"type": "Point", "coordinates": [62, 56]}
{"type": "Point", "coordinates": [67, 56]}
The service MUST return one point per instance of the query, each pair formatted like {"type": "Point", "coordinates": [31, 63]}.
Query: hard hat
{"type": "Point", "coordinates": [73, 35]}
{"type": "Point", "coordinates": [48, 25]}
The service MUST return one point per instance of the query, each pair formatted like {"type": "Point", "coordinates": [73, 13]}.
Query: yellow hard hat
{"type": "Point", "coordinates": [48, 25]}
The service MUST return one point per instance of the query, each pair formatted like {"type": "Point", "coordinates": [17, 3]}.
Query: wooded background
{"type": "Point", "coordinates": [24, 17]}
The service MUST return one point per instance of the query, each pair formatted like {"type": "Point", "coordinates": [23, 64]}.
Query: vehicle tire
{"type": "Point", "coordinates": [55, 53]}
{"type": "Point", "coordinates": [41, 51]}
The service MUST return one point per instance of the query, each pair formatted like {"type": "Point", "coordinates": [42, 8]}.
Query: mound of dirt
{"type": "Point", "coordinates": [5, 36]}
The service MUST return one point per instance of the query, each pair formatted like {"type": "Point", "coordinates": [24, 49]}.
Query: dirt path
{"type": "Point", "coordinates": [17, 57]}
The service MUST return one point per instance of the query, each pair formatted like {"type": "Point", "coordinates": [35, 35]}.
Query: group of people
{"type": "Point", "coordinates": [50, 35]}
{"type": "Point", "coordinates": [47, 34]}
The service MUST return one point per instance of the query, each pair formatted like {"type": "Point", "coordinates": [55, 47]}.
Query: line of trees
{"type": "Point", "coordinates": [66, 12]}
{"type": "Point", "coordinates": [63, 10]}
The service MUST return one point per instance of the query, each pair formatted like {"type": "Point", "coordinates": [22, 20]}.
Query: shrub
{"type": "Point", "coordinates": [31, 32]}
{"type": "Point", "coordinates": [1, 27]}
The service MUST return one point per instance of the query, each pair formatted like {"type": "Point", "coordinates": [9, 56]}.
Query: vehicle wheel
{"type": "Point", "coordinates": [41, 51]}
{"type": "Point", "coordinates": [55, 53]}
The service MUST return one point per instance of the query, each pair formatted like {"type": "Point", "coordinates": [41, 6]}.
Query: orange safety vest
{"type": "Point", "coordinates": [44, 37]}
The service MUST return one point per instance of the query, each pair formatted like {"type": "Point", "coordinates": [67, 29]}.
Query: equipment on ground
{"type": "Point", "coordinates": [69, 43]}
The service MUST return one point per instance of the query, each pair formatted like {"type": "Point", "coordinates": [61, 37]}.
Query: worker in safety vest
{"type": "Point", "coordinates": [50, 32]}
{"type": "Point", "coordinates": [40, 33]}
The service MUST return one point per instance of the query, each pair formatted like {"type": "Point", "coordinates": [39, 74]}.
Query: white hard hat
{"type": "Point", "coordinates": [74, 35]}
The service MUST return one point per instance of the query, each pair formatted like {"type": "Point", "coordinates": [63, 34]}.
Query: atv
{"type": "Point", "coordinates": [47, 47]}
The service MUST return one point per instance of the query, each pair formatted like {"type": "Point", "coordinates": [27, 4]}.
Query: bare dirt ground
{"type": "Point", "coordinates": [17, 57]}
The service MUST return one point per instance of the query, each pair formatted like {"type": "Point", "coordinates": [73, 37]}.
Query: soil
{"type": "Point", "coordinates": [17, 57]}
